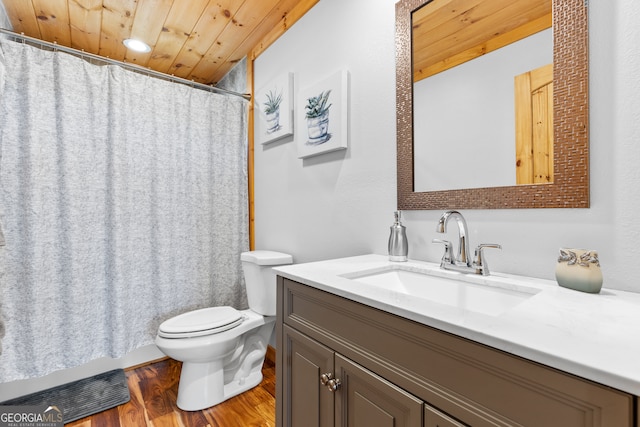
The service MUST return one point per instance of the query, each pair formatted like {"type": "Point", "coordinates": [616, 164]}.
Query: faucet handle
{"type": "Point", "coordinates": [447, 258]}
{"type": "Point", "coordinates": [478, 260]}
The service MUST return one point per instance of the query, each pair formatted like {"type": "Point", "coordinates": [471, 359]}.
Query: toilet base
{"type": "Point", "coordinates": [202, 386]}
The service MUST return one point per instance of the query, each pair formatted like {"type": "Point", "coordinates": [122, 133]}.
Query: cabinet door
{"type": "Point", "coordinates": [310, 404]}
{"type": "Point", "coordinates": [435, 418]}
{"type": "Point", "coordinates": [367, 400]}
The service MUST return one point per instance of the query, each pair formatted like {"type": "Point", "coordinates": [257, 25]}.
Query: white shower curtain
{"type": "Point", "coordinates": [123, 202]}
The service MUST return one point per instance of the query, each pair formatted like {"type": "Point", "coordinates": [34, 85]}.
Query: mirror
{"type": "Point", "coordinates": [567, 180]}
{"type": "Point", "coordinates": [467, 58]}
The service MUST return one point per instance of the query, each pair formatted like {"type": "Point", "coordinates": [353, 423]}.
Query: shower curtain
{"type": "Point", "coordinates": [123, 202]}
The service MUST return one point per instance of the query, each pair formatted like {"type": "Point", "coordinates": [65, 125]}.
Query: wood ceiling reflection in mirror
{"type": "Point", "coordinates": [449, 33]}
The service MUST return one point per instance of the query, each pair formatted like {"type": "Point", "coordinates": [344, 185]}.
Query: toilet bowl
{"type": "Point", "coordinates": [223, 349]}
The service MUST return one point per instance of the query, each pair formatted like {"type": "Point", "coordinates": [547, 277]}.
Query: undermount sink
{"type": "Point", "coordinates": [478, 294]}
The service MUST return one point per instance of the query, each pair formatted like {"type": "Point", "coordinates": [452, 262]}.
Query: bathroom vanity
{"type": "Point", "coordinates": [358, 345]}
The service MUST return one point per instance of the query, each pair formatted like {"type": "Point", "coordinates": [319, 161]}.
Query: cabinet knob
{"type": "Point", "coordinates": [324, 378]}
{"type": "Point", "coordinates": [331, 383]}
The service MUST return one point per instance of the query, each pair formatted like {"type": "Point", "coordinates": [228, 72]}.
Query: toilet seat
{"type": "Point", "coordinates": [197, 323]}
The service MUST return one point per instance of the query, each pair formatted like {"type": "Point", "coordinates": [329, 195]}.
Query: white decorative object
{"type": "Point", "coordinates": [579, 269]}
{"type": "Point", "coordinates": [274, 107]}
{"type": "Point", "coordinates": [323, 116]}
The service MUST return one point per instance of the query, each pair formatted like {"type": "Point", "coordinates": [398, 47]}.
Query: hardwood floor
{"type": "Point", "coordinates": [154, 388]}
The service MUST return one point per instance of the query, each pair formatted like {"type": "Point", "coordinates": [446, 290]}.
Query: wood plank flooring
{"type": "Point", "coordinates": [154, 389]}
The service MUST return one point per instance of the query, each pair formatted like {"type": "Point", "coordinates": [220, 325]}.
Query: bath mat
{"type": "Point", "coordinates": [81, 398]}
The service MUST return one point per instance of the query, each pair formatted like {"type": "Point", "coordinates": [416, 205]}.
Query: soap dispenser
{"type": "Point", "coordinates": [398, 245]}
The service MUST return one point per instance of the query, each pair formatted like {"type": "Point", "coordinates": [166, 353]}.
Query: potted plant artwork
{"type": "Point", "coordinates": [323, 100]}
{"type": "Point", "coordinates": [272, 110]}
{"type": "Point", "coordinates": [317, 114]}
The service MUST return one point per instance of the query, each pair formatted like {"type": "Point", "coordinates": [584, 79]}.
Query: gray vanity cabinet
{"type": "Point", "coordinates": [359, 399]}
{"type": "Point", "coordinates": [390, 371]}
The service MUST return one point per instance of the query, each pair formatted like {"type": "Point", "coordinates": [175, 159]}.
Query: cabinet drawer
{"type": "Point", "coordinates": [478, 385]}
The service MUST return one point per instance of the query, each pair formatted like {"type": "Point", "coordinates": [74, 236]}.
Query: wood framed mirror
{"type": "Point", "coordinates": [569, 183]}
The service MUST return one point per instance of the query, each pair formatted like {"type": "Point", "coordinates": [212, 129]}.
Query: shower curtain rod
{"type": "Point", "coordinates": [127, 65]}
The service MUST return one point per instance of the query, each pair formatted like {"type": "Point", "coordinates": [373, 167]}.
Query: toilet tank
{"type": "Point", "coordinates": [260, 279]}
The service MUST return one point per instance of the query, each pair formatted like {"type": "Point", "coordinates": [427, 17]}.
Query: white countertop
{"type": "Point", "coordinates": [594, 336]}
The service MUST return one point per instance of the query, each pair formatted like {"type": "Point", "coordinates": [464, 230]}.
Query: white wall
{"type": "Point", "coordinates": [341, 204]}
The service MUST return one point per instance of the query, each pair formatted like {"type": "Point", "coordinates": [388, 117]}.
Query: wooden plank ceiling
{"type": "Point", "coordinates": [447, 33]}
{"type": "Point", "coordinates": [199, 40]}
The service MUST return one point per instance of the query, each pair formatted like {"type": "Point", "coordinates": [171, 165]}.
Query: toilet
{"type": "Point", "coordinates": [223, 349]}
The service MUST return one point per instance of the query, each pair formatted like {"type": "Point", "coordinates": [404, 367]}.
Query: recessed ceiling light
{"type": "Point", "coordinates": [137, 45]}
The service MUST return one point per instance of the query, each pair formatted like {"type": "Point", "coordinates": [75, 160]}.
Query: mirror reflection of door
{"type": "Point", "coordinates": [534, 126]}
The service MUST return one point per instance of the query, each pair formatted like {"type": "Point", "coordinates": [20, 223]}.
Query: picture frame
{"type": "Point", "coordinates": [274, 107]}
{"type": "Point", "coordinates": [323, 116]}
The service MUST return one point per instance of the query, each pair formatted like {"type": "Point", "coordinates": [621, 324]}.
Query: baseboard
{"type": "Point", "coordinates": [147, 363]}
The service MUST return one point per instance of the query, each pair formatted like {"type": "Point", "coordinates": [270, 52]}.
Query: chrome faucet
{"type": "Point", "coordinates": [463, 244]}
{"type": "Point", "coordinates": [462, 262]}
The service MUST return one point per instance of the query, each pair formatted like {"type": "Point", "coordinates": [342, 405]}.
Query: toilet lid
{"type": "Point", "coordinates": [201, 322]}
